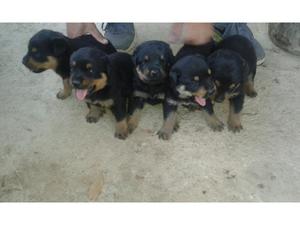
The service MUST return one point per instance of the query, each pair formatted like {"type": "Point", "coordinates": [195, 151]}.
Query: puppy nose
{"type": "Point", "coordinates": [25, 60]}
{"type": "Point", "coordinates": [76, 83]}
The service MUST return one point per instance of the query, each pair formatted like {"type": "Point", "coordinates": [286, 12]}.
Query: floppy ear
{"type": "Point", "coordinates": [59, 46]}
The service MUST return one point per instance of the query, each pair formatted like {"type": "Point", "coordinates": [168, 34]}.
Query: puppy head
{"type": "Point", "coordinates": [153, 60]}
{"type": "Point", "coordinates": [190, 78]}
{"type": "Point", "coordinates": [88, 71]}
{"type": "Point", "coordinates": [45, 49]}
{"type": "Point", "coordinates": [229, 71]}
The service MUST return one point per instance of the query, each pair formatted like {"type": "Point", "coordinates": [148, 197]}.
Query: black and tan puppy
{"type": "Point", "coordinates": [233, 68]}
{"type": "Point", "coordinates": [104, 81]}
{"type": "Point", "coordinates": [152, 61]}
{"type": "Point", "coordinates": [191, 85]}
{"type": "Point", "coordinates": [48, 49]}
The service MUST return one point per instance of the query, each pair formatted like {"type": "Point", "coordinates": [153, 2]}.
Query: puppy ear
{"type": "Point", "coordinates": [59, 46]}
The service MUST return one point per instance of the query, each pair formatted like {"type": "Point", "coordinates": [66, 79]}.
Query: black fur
{"type": "Point", "coordinates": [119, 69]}
{"type": "Point", "coordinates": [48, 43]}
{"type": "Point", "coordinates": [188, 76]}
{"type": "Point", "coordinates": [152, 60]}
{"type": "Point", "coordinates": [233, 67]}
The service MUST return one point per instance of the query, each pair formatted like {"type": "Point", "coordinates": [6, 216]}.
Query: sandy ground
{"type": "Point", "coordinates": [49, 152]}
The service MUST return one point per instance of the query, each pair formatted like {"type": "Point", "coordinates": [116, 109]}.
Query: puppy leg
{"type": "Point", "coordinates": [235, 108]}
{"type": "Point", "coordinates": [134, 111]}
{"type": "Point", "coordinates": [211, 119]}
{"type": "Point", "coordinates": [249, 87]}
{"type": "Point", "coordinates": [119, 111]}
{"type": "Point", "coordinates": [170, 121]}
{"type": "Point", "coordinates": [67, 91]}
{"type": "Point", "coordinates": [94, 114]}
{"type": "Point", "coordinates": [121, 129]}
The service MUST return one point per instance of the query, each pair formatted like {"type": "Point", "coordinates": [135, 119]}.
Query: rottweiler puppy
{"type": "Point", "coordinates": [233, 67]}
{"type": "Point", "coordinates": [152, 61]}
{"type": "Point", "coordinates": [191, 85]}
{"type": "Point", "coordinates": [48, 49]}
{"type": "Point", "coordinates": [103, 80]}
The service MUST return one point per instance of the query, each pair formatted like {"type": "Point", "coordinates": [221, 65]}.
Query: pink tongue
{"type": "Point", "coordinates": [200, 101]}
{"type": "Point", "coordinates": [80, 94]}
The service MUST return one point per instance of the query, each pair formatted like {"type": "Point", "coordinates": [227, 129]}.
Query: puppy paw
{"type": "Point", "coordinates": [131, 127]}
{"type": "Point", "coordinates": [176, 127]}
{"type": "Point", "coordinates": [252, 94]}
{"type": "Point", "coordinates": [121, 134]}
{"type": "Point", "coordinates": [133, 121]}
{"type": "Point", "coordinates": [234, 127]}
{"type": "Point", "coordinates": [62, 94]}
{"type": "Point", "coordinates": [164, 135]}
{"type": "Point", "coordinates": [121, 130]}
{"type": "Point", "coordinates": [92, 118]}
{"type": "Point", "coordinates": [132, 124]}
{"type": "Point", "coordinates": [216, 125]}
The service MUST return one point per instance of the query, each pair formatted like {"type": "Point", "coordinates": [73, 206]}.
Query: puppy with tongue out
{"type": "Point", "coordinates": [103, 81]}
{"type": "Point", "coordinates": [191, 85]}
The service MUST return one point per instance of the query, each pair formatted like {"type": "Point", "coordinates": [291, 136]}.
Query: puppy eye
{"type": "Point", "coordinates": [34, 50]}
{"type": "Point", "coordinates": [196, 78]}
{"type": "Point", "coordinates": [162, 58]}
{"type": "Point", "coordinates": [73, 63]}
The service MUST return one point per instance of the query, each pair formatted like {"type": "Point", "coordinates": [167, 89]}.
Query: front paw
{"type": "Point", "coordinates": [132, 124]}
{"type": "Point", "coordinates": [234, 126]}
{"type": "Point", "coordinates": [176, 127]}
{"type": "Point", "coordinates": [121, 135]}
{"type": "Point", "coordinates": [62, 94]}
{"type": "Point", "coordinates": [131, 127]}
{"type": "Point", "coordinates": [164, 135]}
{"type": "Point", "coordinates": [252, 94]}
{"type": "Point", "coordinates": [92, 119]}
{"type": "Point", "coordinates": [121, 130]}
{"type": "Point", "coordinates": [215, 124]}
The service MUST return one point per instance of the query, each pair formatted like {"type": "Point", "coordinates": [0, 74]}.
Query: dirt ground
{"type": "Point", "coordinates": [49, 152]}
